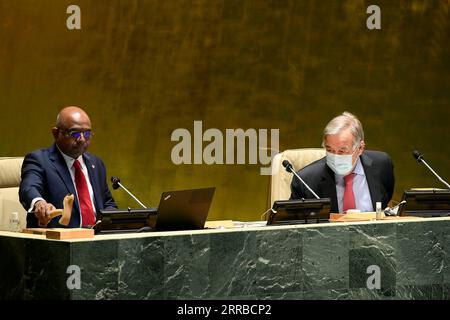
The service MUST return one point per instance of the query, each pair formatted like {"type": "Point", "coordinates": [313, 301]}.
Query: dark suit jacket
{"type": "Point", "coordinates": [379, 173]}
{"type": "Point", "coordinates": [45, 174]}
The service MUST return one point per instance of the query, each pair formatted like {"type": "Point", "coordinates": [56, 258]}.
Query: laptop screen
{"type": "Point", "coordinates": [184, 209]}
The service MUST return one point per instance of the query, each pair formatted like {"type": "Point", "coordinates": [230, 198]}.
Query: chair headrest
{"type": "Point", "coordinates": [10, 168]}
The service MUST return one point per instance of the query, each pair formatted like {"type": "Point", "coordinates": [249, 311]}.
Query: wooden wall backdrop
{"type": "Point", "coordinates": [145, 68]}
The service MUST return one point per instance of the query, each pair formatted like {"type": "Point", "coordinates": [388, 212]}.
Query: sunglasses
{"type": "Point", "coordinates": [77, 134]}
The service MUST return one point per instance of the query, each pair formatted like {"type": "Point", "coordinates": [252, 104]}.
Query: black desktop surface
{"type": "Point", "coordinates": [426, 203]}
{"type": "Point", "coordinates": [288, 212]}
{"type": "Point", "coordinates": [125, 220]}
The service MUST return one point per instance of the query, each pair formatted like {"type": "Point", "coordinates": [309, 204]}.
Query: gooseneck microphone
{"type": "Point", "coordinates": [419, 157]}
{"type": "Point", "coordinates": [289, 168]}
{"type": "Point", "coordinates": [116, 184]}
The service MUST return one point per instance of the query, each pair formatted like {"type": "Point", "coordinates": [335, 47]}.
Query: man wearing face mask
{"type": "Point", "coordinates": [49, 174]}
{"type": "Point", "coordinates": [352, 177]}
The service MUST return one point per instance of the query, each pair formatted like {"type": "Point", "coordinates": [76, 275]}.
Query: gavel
{"type": "Point", "coordinates": [66, 212]}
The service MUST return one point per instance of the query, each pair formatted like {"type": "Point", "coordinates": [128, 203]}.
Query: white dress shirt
{"type": "Point", "coordinates": [363, 201]}
{"type": "Point", "coordinates": [69, 163]}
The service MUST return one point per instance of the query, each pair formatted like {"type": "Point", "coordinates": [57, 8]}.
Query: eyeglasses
{"type": "Point", "coordinates": [344, 151]}
{"type": "Point", "coordinates": [77, 134]}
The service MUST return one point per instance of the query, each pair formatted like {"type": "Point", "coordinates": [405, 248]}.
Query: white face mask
{"type": "Point", "coordinates": [340, 164]}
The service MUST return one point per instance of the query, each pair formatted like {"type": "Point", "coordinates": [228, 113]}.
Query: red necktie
{"type": "Point", "coordinates": [84, 198]}
{"type": "Point", "coordinates": [349, 197]}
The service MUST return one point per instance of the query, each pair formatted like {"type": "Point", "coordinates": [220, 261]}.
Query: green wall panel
{"type": "Point", "coordinates": [145, 68]}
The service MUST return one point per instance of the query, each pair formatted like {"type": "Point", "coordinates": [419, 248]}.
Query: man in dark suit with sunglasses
{"type": "Point", "coordinates": [48, 175]}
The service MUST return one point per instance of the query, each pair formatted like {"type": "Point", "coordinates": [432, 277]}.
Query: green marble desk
{"type": "Point", "coordinates": [314, 261]}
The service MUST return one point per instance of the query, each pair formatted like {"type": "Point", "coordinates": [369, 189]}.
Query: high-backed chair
{"type": "Point", "coordinates": [9, 191]}
{"type": "Point", "coordinates": [280, 186]}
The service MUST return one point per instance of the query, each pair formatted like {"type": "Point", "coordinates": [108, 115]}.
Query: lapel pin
{"type": "Point", "coordinates": [93, 167]}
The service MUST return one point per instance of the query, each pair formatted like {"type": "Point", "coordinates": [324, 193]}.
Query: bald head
{"type": "Point", "coordinates": [70, 115]}
{"type": "Point", "coordinates": [70, 122]}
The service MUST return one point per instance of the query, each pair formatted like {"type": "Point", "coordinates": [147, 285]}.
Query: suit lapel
{"type": "Point", "coordinates": [372, 182]}
{"type": "Point", "coordinates": [61, 168]}
{"type": "Point", "coordinates": [328, 187]}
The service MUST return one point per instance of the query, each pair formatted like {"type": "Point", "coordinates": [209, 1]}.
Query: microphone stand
{"type": "Point", "coordinates": [289, 167]}
{"type": "Point", "coordinates": [437, 176]}
{"type": "Point", "coordinates": [137, 200]}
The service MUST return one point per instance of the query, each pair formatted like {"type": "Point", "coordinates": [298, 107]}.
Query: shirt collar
{"type": "Point", "coordinates": [69, 160]}
{"type": "Point", "coordinates": [359, 168]}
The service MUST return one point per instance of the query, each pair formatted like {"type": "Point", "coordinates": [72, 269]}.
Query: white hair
{"type": "Point", "coordinates": [344, 121]}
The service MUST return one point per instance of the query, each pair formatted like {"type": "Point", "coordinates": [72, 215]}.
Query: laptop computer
{"type": "Point", "coordinates": [183, 209]}
{"type": "Point", "coordinates": [177, 210]}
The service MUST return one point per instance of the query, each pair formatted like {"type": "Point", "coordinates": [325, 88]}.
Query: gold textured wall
{"type": "Point", "coordinates": [145, 68]}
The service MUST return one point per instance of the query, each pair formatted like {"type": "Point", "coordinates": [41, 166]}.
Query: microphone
{"type": "Point", "coordinates": [419, 157]}
{"type": "Point", "coordinates": [116, 184]}
{"type": "Point", "coordinates": [289, 168]}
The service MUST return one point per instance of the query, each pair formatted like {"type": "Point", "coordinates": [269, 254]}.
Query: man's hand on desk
{"type": "Point", "coordinates": [42, 210]}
